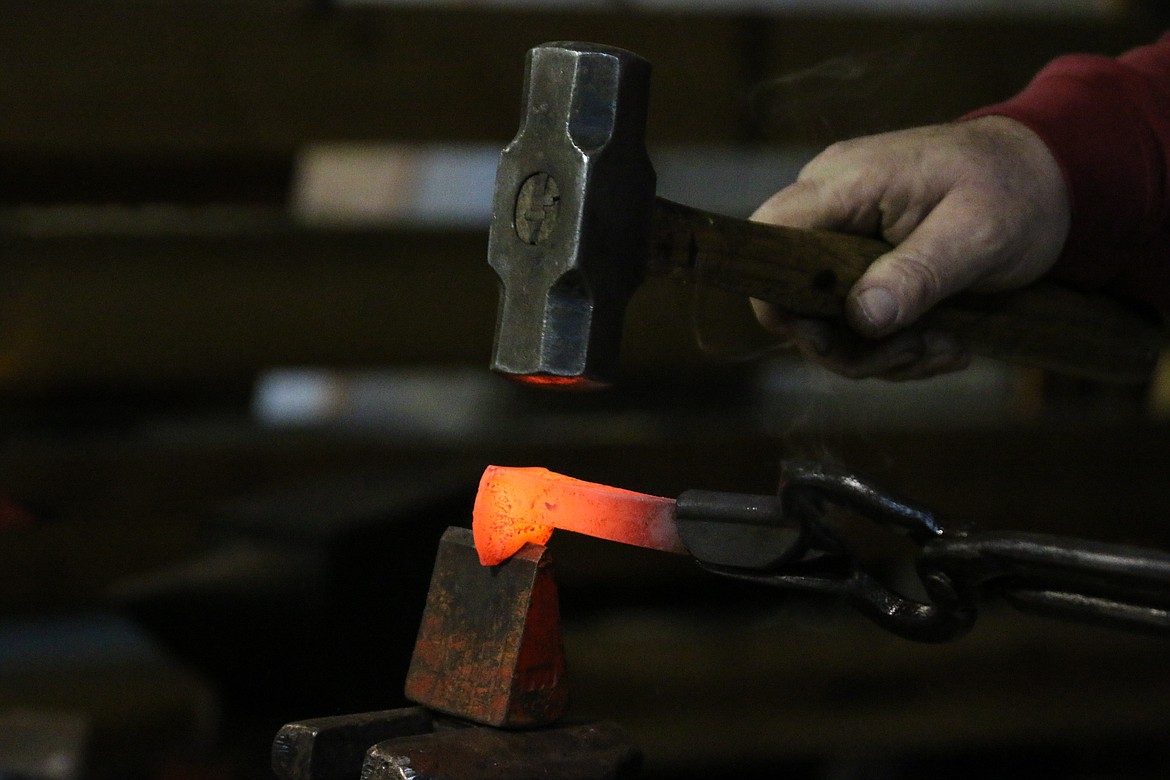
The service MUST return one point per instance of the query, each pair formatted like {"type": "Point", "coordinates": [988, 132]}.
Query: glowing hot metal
{"type": "Point", "coordinates": [519, 505]}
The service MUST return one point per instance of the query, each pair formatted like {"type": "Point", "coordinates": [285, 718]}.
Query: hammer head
{"type": "Point", "coordinates": [571, 216]}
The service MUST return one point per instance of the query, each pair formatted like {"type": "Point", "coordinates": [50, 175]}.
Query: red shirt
{"type": "Point", "coordinates": [1107, 122]}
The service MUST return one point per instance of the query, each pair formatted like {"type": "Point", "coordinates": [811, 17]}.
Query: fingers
{"type": "Point", "coordinates": [855, 360]}
{"type": "Point", "coordinates": [904, 356]}
{"type": "Point", "coordinates": [803, 204]}
{"type": "Point", "coordinates": [907, 355]}
{"type": "Point", "coordinates": [837, 190]}
{"type": "Point", "coordinates": [942, 354]}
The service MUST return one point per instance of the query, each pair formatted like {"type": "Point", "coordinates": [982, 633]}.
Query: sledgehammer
{"type": "Point", "coordinates": [576, 227]}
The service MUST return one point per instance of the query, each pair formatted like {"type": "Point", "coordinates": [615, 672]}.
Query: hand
{"type": "Point", "coordinates": [978, 205]}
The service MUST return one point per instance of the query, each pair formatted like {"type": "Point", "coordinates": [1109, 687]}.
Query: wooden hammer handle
{"type": "Point", "coordinates": [809, 273]}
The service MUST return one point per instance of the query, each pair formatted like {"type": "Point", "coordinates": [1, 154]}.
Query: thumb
{"type": "Point", "coordinates": [947, 252]}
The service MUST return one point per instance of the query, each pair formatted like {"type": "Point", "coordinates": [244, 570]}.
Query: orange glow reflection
{"type": "Point", "coordinates": [518, 505]}
{"type": "Point", "coordinates": [558, 382]}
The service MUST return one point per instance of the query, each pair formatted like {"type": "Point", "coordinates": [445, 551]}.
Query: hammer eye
{"type": "Point", "coordinates": [537, 205]}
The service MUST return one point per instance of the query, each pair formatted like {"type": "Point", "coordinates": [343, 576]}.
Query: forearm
{"type": "Point", "coordinates": [1107, 123]}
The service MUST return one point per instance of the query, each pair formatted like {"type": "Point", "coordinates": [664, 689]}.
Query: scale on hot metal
{"type": "Point", "coordinates": [575, 228]}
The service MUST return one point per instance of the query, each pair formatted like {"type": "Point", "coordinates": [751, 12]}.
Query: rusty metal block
{"type": "Point", "coordinates": [333, 748]}
{"type": "Point", "coordinates": [586, 751]}
{"type": "Point", "coordinates": [489, 648]}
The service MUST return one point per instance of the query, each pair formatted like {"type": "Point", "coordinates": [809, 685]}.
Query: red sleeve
{"type": "Point", "coordinates": [1107, 121]}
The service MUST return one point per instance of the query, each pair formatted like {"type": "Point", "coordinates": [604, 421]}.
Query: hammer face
{"type": "Point", "coordinates": [574, 194]}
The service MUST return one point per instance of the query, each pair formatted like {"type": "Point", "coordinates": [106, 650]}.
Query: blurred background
{"type": "Point", "coordinates": [245, 319]}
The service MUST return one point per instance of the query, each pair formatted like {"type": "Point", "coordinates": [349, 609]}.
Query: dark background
{"type": "Point", "coordinates": [179, 576]}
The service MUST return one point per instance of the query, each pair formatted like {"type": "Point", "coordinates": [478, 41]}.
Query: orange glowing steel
{"type": "Point", "coordinates": [518, 505]}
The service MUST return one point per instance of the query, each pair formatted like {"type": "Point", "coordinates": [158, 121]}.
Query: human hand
{"type": "Point", "coordinates": [979, 205]}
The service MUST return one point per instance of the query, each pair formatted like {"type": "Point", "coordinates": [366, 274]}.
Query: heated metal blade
{"type": "Point", "coordinates": [519, 505]}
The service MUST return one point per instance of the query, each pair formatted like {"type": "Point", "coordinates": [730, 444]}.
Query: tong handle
{"type": "Point", "coordinates": [787, 542]}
